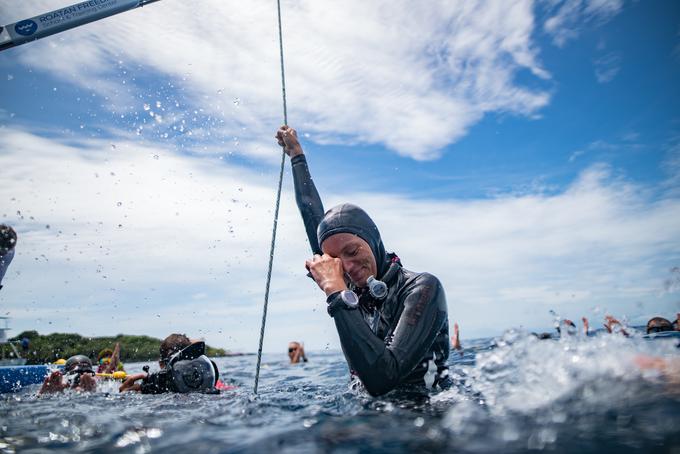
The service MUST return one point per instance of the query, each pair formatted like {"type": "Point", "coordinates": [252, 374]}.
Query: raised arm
{"type": "Point", "coordinates": [382, 367]}
{"type": "Point", "coordinates": [307, 197]}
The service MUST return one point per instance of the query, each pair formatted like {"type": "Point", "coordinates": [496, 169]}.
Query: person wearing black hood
{"type": "Point", "coordinates": [392, 322]}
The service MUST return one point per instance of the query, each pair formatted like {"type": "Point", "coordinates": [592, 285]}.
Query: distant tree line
{"type": "Point", "coordinates": [50, 347]}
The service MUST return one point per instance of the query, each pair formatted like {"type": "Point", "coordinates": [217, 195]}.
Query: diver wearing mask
{"type": "Point", "coordinates": [78, 375]}
{"type": "Point", "coordinates": [392, 322]}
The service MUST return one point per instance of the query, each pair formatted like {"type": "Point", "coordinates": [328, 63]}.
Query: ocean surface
{"type": "Point", "coordinates": [512, 394]}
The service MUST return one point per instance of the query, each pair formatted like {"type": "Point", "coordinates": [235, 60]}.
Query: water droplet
{"type": "Point", "coordinates": [237, 102]}
{"type": "Point", "coordinates": [158, 104]}
{"type": "Point", "coordinates": [147, 106]}
{"type": "Point", "coordinates": [119, 204]}
{"type": "Point", "coordinates": [113, 146]}
{"type": "Point", "coordinates": [156, 157]}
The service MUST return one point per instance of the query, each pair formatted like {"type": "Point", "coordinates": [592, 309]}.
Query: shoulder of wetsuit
{"type": "Point", "coordinates": [416, 281]}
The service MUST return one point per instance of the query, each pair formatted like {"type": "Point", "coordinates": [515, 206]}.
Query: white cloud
{"type": "Point", "coordinates": [191, 252]}
{"type": "Point", "coordinates": [569, 16]}
{"type": "Point", "coordinates": [607, 67]}
{"type": "Point", "coordinates": [413, 79]}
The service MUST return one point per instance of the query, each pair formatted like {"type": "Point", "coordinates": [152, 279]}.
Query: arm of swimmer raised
{"type": "Point", "coordinates": [308, 200]}
{"type": "Point", "coordinates": [382, 367]}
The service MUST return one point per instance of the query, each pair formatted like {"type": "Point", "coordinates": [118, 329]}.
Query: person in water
{"type": "Point", "coordinates": [184, 368]}
{"type": "Point", "coordinates": [109, 360]}
{"type": "Point", "coordinates": [78, 375]}
{"type": "Point", "coordinates": [612, 325]}
{"type": "Point", "coordinates": [296, 352]}
{"type": "Point", "coordinates": [455, 339]}
{"type": "Point", "coordinates": [8, 241]}
{"type": "Point", "coordinates": [392, 322]}
{"type": "Point", "coordinates": [658, 325]}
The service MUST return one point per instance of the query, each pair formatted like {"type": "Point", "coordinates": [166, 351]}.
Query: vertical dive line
{"type": "Point", "coordinates": [276, 211]}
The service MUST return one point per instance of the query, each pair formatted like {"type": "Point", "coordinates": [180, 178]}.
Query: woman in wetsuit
{"type": "Point", "coordinates": [392, 322]}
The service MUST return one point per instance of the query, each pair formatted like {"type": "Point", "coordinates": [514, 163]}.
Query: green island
{"type": "Point", "coordinates": [48, 348]}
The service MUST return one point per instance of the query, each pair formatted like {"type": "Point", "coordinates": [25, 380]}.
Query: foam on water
{"type": "Point", "coordinates": [575, 394]}
{"type": "Point", "coordinates": [582, 392]}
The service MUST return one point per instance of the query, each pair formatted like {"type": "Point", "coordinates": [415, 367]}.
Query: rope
{"type": "Point", "coordinates": [276, 211]}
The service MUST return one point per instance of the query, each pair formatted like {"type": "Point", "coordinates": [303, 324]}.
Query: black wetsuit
{"type": "Point", "coordinates": [403, 339]}
{"type": "Point", "coordinates": [5, 260]}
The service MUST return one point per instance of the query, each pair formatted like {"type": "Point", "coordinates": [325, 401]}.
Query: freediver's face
{"type": "Point", "coordinates": [356, 256]}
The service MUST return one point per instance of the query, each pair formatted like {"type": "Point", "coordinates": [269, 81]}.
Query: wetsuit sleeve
{"type": "Point", "coordinates": [382, 367]}
{"type": "Point", "coordinates": [308, 200]}
{"type": "Point", "coordinates": [5, 260]}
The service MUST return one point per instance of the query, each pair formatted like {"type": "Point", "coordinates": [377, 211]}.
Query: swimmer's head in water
{"type": "Point", "coordinates": [8, 239]}
{"type": "Point", "coordinates": [78, 364]}
{"type": "Point", "coordinates": [75, 367]}
{"type": "Point", "coordinates": [348, 233]}
{"type": "Point", "coordinates": [171, 345]}
{"type": "Point", "coordinates": [658, 325]}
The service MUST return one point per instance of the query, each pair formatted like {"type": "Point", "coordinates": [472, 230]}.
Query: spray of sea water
{"type": "Point", "coordinates": [512, 394]}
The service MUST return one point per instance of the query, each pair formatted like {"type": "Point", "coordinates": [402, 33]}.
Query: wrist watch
{"type": "Point", "coordinates": [345, 299]}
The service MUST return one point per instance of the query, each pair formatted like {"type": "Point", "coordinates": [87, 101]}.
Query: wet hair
{"type": "Point", "coordinates": [658, 324]}
{"type": "Point", "coordinates": [107, 352]}
{"type": "Point", "coordinates": [8, 238]}
{"type": "Point", "coordinates": [172, 344]}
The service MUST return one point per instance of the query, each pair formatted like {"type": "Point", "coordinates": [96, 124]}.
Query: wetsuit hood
{"type": "Point", "coordinates": [78, 364]}
{"type": "Point", "coordinates": [348, 218]}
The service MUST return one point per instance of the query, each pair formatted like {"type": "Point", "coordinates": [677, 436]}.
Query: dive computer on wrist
{"type": "Point", "coordinates": [345, 299]}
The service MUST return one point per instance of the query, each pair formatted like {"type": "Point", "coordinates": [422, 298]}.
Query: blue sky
{"type": "Point", "coordinates": [528, 154]}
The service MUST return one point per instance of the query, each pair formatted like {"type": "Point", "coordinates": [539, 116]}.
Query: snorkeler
{"type": "Point", "coordinates": [296, 352]}
{"type": "Point", "coordinates": [184, 368]}
{"type": "Point", "coordinates": [8, 241]}
{"type": "Point", "coordinates": [392, 323]}
{"type": "Point", "coordinates": [109, 360]}
{"type": "Point", "coordinates": [78, 375]}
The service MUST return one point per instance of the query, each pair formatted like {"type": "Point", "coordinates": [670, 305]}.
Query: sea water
{"type": "Point", "coordinates": [512, 394]}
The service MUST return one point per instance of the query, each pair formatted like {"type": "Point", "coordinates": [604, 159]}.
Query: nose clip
{"type": "Point", "coordinates": [377, 289]}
